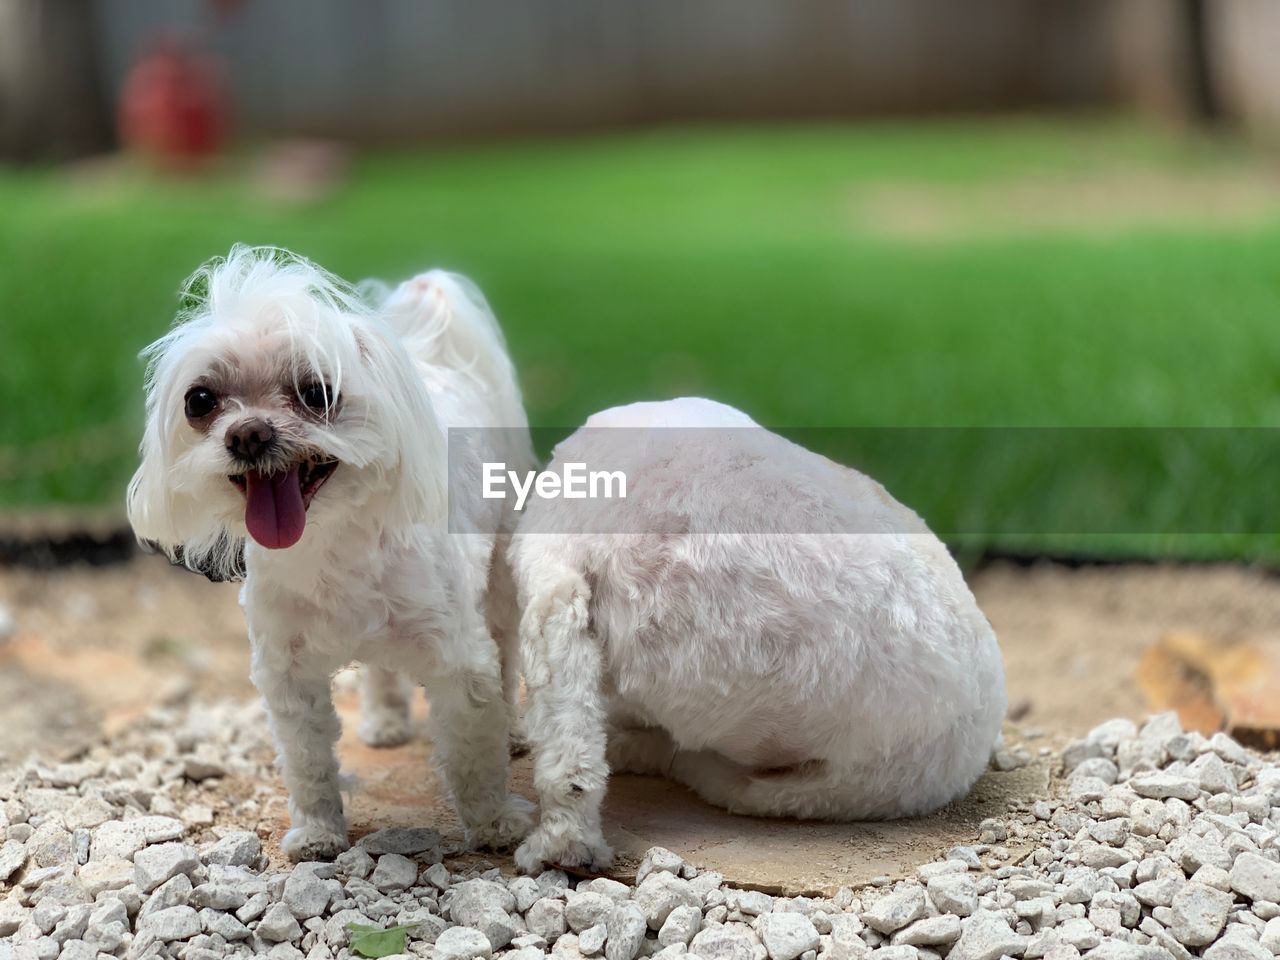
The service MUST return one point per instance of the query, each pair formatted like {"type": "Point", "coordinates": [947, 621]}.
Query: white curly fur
{"type": "Point", "coordinates": [765, 626]}
{"type": "Point", "coordinates": [376, 576]}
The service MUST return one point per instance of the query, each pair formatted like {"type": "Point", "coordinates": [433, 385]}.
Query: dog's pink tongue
{"type": "Point", "coordinates": [273, 510]}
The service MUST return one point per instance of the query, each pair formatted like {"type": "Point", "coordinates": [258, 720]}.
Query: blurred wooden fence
{"type": "Point", "coordinates": [409, 68]}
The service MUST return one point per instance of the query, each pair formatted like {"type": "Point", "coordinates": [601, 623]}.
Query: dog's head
{"type": "Point", "coordinates": [278, 407]}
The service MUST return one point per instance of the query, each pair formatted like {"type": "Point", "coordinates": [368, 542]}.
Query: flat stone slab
{"type": "Point", "coordinates": [400, 787]}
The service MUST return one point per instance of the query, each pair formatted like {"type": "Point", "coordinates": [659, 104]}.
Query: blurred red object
{"type": "Point", "coordinates": [172, 108]}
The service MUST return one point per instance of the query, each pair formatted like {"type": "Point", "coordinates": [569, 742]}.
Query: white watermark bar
{"type": "Point", "coordinates": [1004, 481]}
{"type": "Point", "coordinates": [573, 482]}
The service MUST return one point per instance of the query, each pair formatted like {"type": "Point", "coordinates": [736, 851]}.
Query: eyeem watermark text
{"type": "Point", "coordinates": [575, 482]}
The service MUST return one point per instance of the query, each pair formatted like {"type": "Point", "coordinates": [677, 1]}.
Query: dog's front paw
{"type": "Point", "coordinates": [313, 842]}
{"type": "Point", "coordinates": [385, 728]}
{"type": "Point", "coordinates": [509, 827]}
{"type": "Point", "coordinates": [586, 851]}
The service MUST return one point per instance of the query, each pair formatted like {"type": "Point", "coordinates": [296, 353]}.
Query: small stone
{"type": "Point", "coordinates": [583, 910]}
{"type": "Point", "coordinates": [1079, 933]}
{"type": "Point", "coordinates": [394, 873]}
{"type": "Point", "coordinates": [681, 925]}
{"type": "Point", "coordinates": [895, 910]}
{"type": "Point", "coordinates": [724, 942]}
{"type": "Point", "coordinates": [660, 893]}
{"type": "Point", "coordinates": [204, 764]}
{"type": "Point", "coordinates": [254, 907]}
{"type": "Point", "coordinates": [525, 891]}
{"type": "Point", "coordinates": [13, 857]}
{"type": "Point", "coordinates": [1256, 877]}
{"type": "Point", "coordinates": [223, 924]}
{"type": "Point", "coordinates": [119, 840]}
{"type": "Point", "coordinates": [307, 895]}
{"type": "Point", "coordinates": [1270, 937]}
{"type": "Point", "coordinates": [173, 923]}
{"type": "Point", "coordinates": [930, 931]}
{"type": "Point", "coordinates": [1237, 948]}
{"type": "Point", "coordinates": [546, 918]}
{"type": "Point", "coordinates": [591, 940]}
{"type": "Point", "coordinates": [751, 903]}
{"type": "Point", "coordinates": [658, 859]}
{"type": "Point", "coordinates": [49, 845]}
{"type": "Point", "coordinates": [626, 928]}
{"type": "Point", "coordinates": [101, 875]}
{"type": "Point", "coordinates": [164, 861]}
{"type": "Point", "coordinates": [240, 848]}
{"type": "Point", "coordinates": [954, 893]}
{"type": "Point", "coordinates": [278, 925]}
{"type": "Point", "coordinates": [482, 905]}
{"type": "Point", "coordinates": [462, 943]}
{"type": "Point", "coordinates": [1199, 913]}
{"type": "Point", "coordinates": [1161, 786]}
{"type": "Point", "coordinates": [406, 841]}
{"type": "Point", "coordinates": [787, 935]}
{"type": "Point", "coordinates": [987, 936]}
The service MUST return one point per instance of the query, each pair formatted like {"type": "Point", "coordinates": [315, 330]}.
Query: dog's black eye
{"type": "Point", "coordinates": [201, 401]}
{"type": "Point", "coordinates": [317, 397]}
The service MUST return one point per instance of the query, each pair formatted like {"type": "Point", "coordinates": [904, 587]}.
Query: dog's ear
{"type": "Point", "coordinates": [165, 514]}
{"type": "Point", "coordinates": [399, 401]}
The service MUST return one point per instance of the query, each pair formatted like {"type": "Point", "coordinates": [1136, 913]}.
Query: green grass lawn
{"type": "Point", "coordinates": [732, 263]}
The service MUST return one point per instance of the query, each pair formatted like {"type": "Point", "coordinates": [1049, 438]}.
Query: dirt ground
{"type": "Point", "coordinates": [95, 648]}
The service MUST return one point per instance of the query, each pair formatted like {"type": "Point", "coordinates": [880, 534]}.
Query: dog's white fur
{"type": "Point", "coordinates": [376, 576]}
{"type": "Point", "coordinates": [821, 657]}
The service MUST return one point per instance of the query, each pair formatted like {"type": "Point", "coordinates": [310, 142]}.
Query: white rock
{"type": "Point", "coordinates": [930, 931]}
{"type": "Point", "coordinates": [987, 936]}
{"type": "Point", "coordinates": [156, 864]}
{"type": "Point", "coordinates": [681, 925]}
{"type": "Point", "coordinates": [591, 940]}
{"type": "Point", "coordinates": [1237, 948]}
{"type": "Point", "coordinates": [724, 942]}
{"type": "Point", "coordinates": [954, 893]}
{"type": "Point", "coordinates": [240, 848]}
{"type": "Point", "coordinates": [1256, 877]}
{"type": "Point", "coordinates": [117, 840]}
{"type": "Point", "coordinates": [223, 924]}
{"type": "Point", "coordinates": [1199, 913]}
{"type": "Point", "coordinates": [583, 910]}
{"type": "Point", "coordinates": [546, 918]}
{"type": "Point", "coordinates": [660, 893]}
{"type": "Point", "coordinates": [13, 857]}
{"type": "Point", "coordinates": [394, 873]}
{"type": "Point", "coordinates": [787, 935]}
{"type": "Point", "coordinates": [173, 923]}
{"type": "Point", "coordinates": [1161, 786]}
{"type": "Point", "coordinates": [658, 859]}
{"type": "Point", "coordinates": [308, 895]}
{"type": "Point", "coordinates": [406, 841]}
{"type": "Point", "coordinates": [895, 910]}
{"type": "Point", "coordinates": [627, 927]}
{"type": "Point", "coordinates": [483, 905]}
{"type": "Point", "coordinates": [462, 943]}
{"type": "Point", "coordinates": [278, 924]}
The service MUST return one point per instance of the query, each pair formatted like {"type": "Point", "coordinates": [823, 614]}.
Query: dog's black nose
{"type": "Point", "coordinates": [249, 439]}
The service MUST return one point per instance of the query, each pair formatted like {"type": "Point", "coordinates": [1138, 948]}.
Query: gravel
{"type": "Point", "coordinates": [1157, 844]}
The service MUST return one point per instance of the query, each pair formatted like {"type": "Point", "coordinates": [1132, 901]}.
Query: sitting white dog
{"type": "Point", "coordinates": [753, 620]}
{"type": "Point", "coordinates": [287, 415]}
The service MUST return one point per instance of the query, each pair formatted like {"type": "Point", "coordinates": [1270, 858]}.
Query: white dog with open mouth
{"type": "Point", "coordinates": [287, 414]}
{"type": "Point", "coordinates": [753, 620]}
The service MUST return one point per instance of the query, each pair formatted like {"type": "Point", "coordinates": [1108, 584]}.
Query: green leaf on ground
{"type": "Point", "coordinates": [369, 941]}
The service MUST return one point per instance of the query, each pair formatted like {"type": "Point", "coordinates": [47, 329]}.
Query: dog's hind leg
{"type": "Point", "coordinates": [566, 721]}
{"type": "Point", "coordinates": [386, 698]}
{"type": "Point", "coordinates": [803, 790]}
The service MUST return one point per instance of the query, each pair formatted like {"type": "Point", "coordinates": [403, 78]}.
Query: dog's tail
{"type": "Point", "coordinates": [445, 321]}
